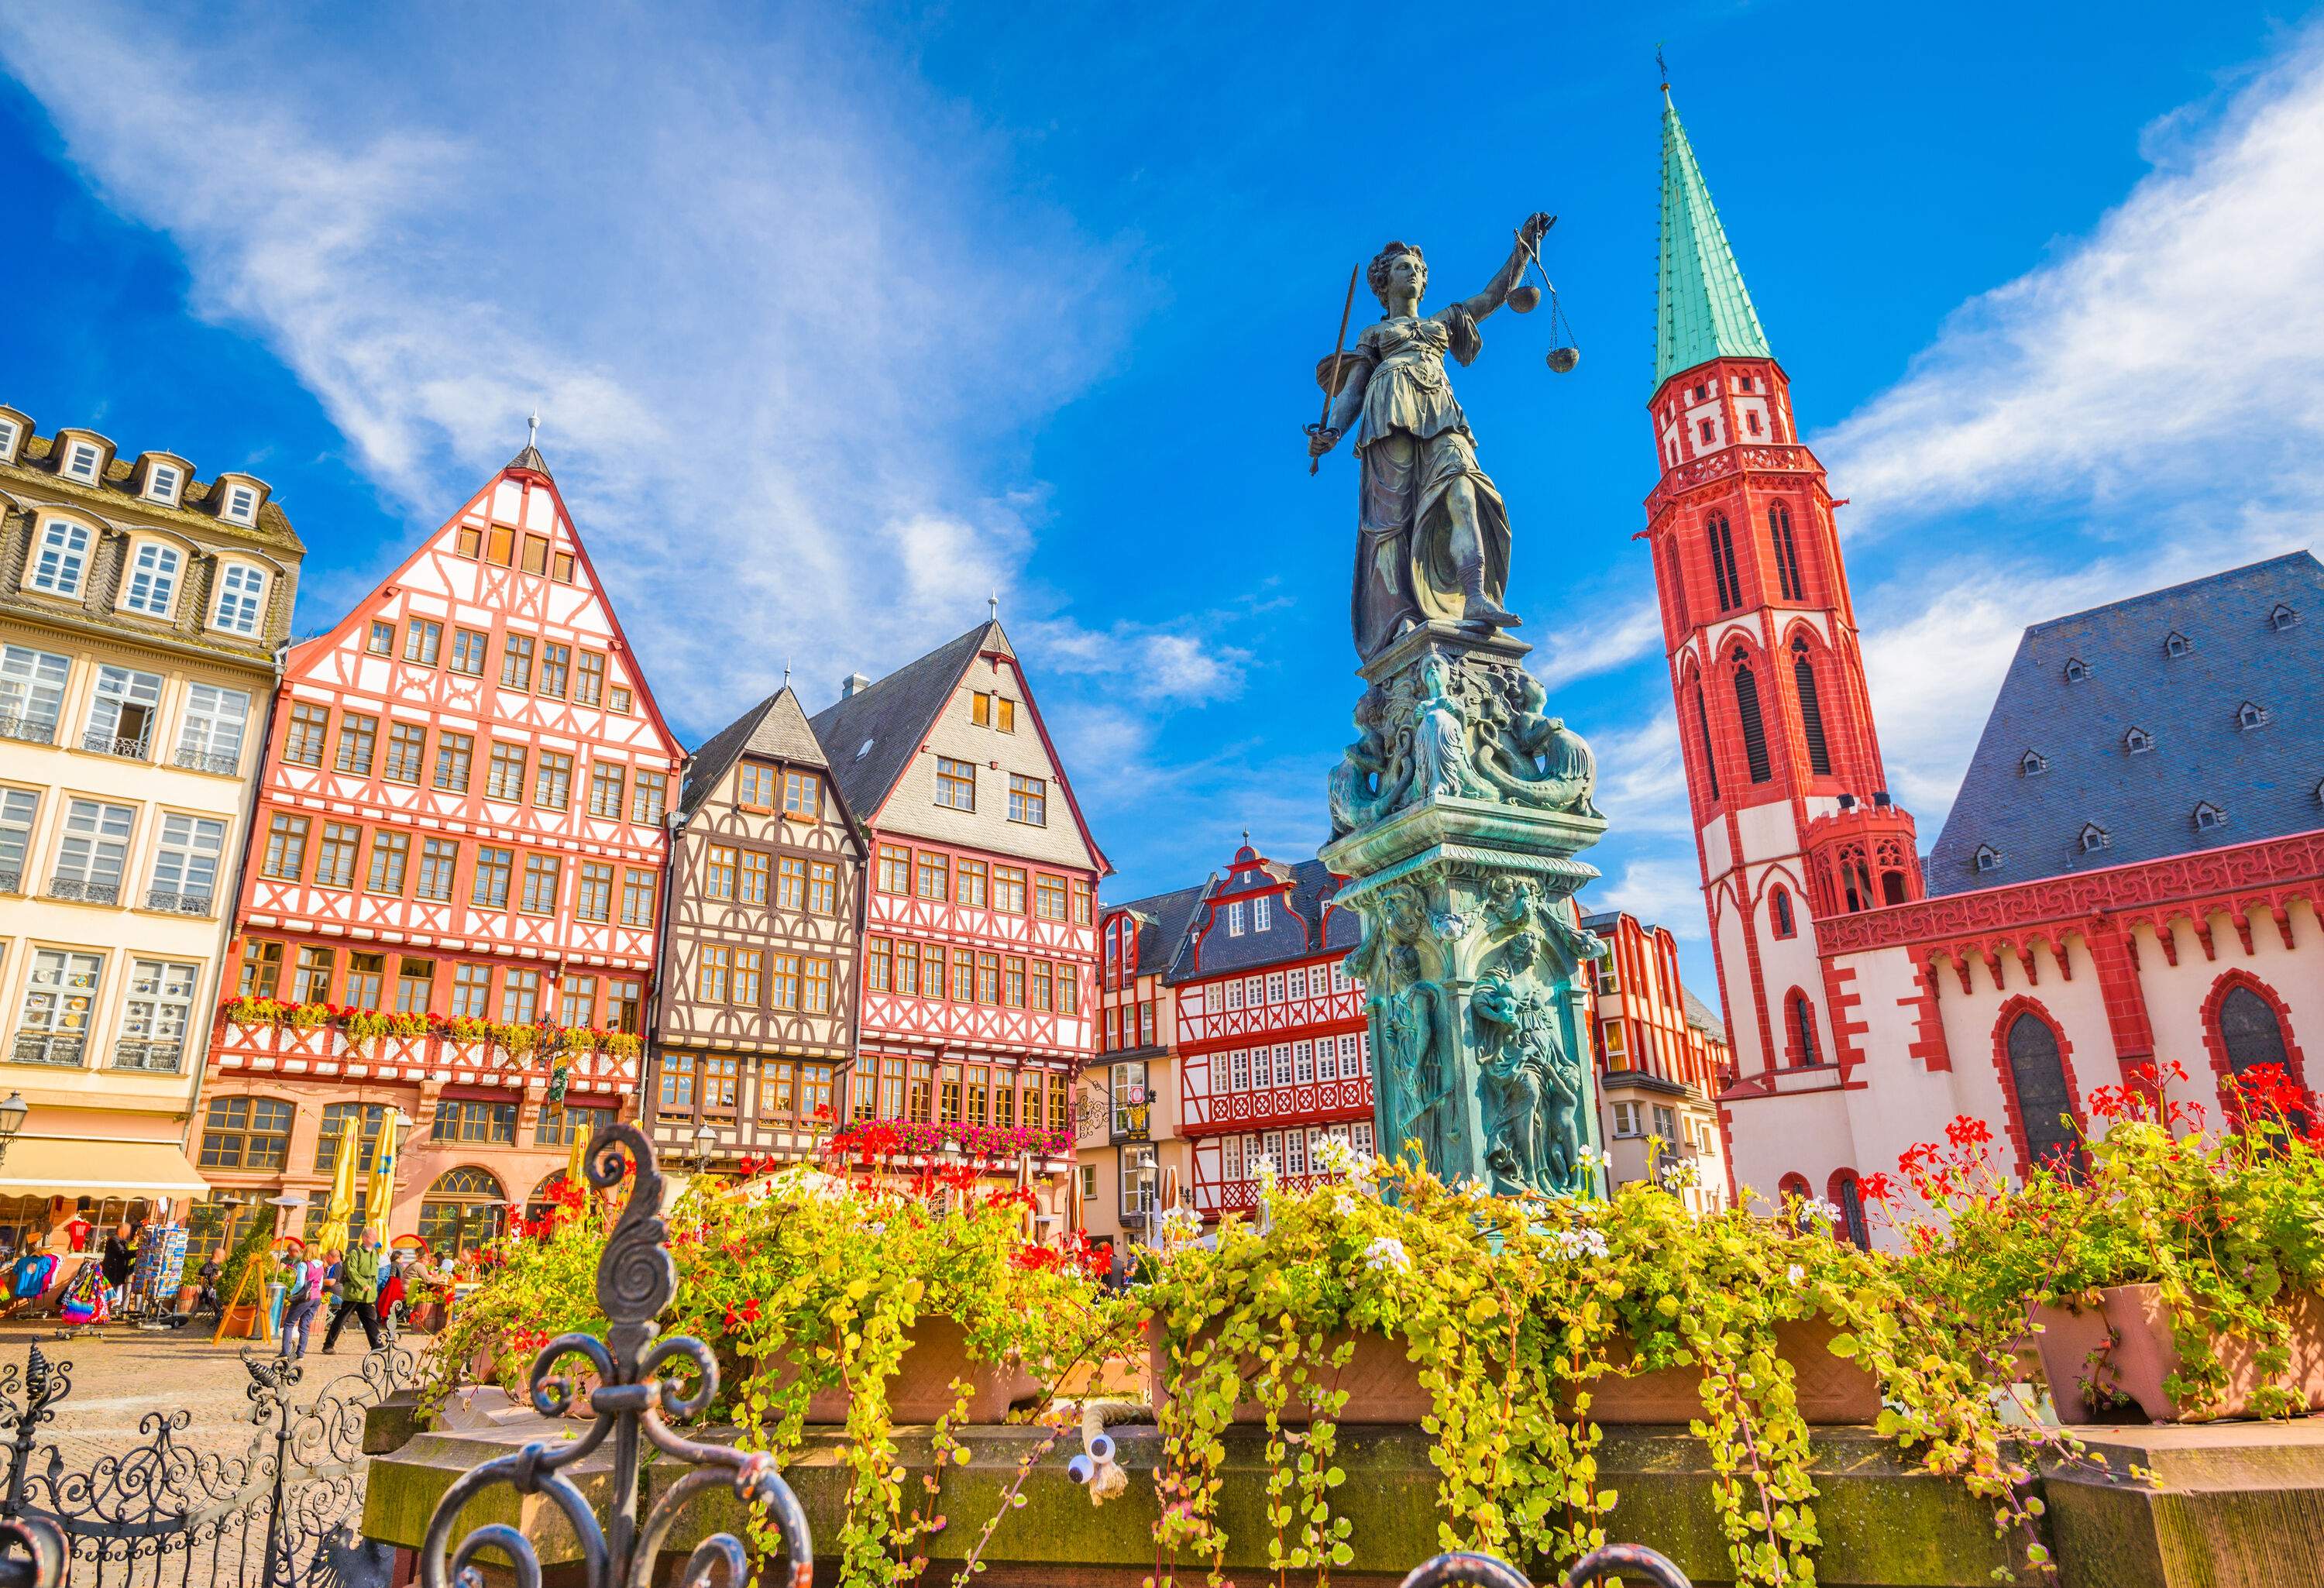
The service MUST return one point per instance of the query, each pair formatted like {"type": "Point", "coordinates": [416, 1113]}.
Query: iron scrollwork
{"type": "Point", "coordinates": [1609, 1563]}
{"type": "Point", "coordinates": [636, 1278]}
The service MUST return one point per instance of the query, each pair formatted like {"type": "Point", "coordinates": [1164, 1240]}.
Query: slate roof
{"type": "Point", "coordinates": [1702, 311]}
{"type": "Point", "coordinates": [1163, 921]}
{"type": "Point", "coordinates": [870, 736]}
{"type": "Point", "coordinates": [1702, 1017]}
{"type": "Point", "coordinates": [1290, 934]}
{"type": "Point", "coordinates": [530, 458]}
{"type": "Point", "coordinates": [775, 728]}
{"type": "Point", "coordinates": [196, 511]}
{"type": "Point", "coordinates": [2265, 778]}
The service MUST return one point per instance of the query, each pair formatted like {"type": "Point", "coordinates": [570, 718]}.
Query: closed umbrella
{"type": "Point", "coordinates": [382, 1177]}
{"type": "Point", "coordinates": [331, 1236]}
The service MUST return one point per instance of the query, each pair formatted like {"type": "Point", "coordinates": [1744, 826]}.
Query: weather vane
{"type": "Point", "coordinates": [532, 427]}
{"type": "Point", "coordinates": [1659, 67]}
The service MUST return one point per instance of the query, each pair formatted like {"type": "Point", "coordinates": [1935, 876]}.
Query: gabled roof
{"type": "Point", "coordinates": [1300, 927]}
{"type": "Point", "coordinates": [871, 735]}
{"type": "Point", "coordinates": [2264, 778]}
{"type": "Point", "coordinates": [775, 728]}
{"type": "Point", "coordinates": [1702, 1017]}
{"type": "Point", "coordinates": [1702, 310]}
{"type": "Point", "coordinates": [1163, 921]}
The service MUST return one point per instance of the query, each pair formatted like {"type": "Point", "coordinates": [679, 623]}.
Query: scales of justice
{"type": "Point", "coordinates": [1457, 813]}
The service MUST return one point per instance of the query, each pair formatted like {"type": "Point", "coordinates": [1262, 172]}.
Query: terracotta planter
{"type": "Point", "coordinates": [2076, 1358]}
{"type": "Point", "coordinates": [936, 1352]}
{"type": "Point", "coordinates": [2145, 1355]}
{"type": "Point", "coordinates": [187, 1296]}
{"type": "Point", "coordinates": [240, 1323]}
{"type": "Point", "coordinates": [1384, 1387]}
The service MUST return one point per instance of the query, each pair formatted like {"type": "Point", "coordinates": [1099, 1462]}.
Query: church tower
{"type": "Point", "coordinates": [1793, 819]}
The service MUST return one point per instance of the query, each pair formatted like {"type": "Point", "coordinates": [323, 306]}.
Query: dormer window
{"type": "Point", "coordinates": [1988, 858]}
{"type": "Point", "coordinates": [241, 504]}
{"type": "Point", "coordinates": [2251, 715]}
{"type": "Point", "coordinates": [10, 434]}
{"type": "Point", "coordinates": [2094, 838]}
{"type": "Point", "coordinates": [2209, 817]}
{"type": "Point", "coordinates": [2077, 670]}
{"type": "Point", "coordinates": [2138, 741]}
{"type": "Point", "coordinates": [242, 593]}
{"type": "Point", "coordinates": [2281, 618]}
{"type": "Point", "coordinates": [162, 483]}
{"type": "Point", "coordinates": [153, 579]}
{"type": "Point", "coordinates": [2177, 644]}
{"type": "Point", "coordinates": [62, 559]}
{"type": "Point", "coordinates": [81, 461]}
{"type": "Point", "coordinates": [2032, 765]}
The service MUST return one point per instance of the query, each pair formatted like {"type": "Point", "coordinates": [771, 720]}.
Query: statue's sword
{"type": "Point", "coordinates": [1332, 387]}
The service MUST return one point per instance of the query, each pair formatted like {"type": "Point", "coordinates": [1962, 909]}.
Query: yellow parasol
{"type": "Point", "coordinates": [331, 1234]}
{"type": "Point", "coordinates": [383, 1178]}
{"type": "Point", "coordinates": [576, 1164]}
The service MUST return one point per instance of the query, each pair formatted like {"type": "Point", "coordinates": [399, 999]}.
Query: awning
{"type": "Point", "coordinates": [49, 1166]}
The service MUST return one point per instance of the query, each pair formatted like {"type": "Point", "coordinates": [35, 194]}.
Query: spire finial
{"type": "Point", "coordinates": [532, 427]}
{"type": "Point", "coordinates": [994, 601]}
{"type": "Point", "coordinates": [1246, 837]}
{"type": "Point", "coordinates": [786, 672]}
{"type": "Point", "coordinates": [1660, 70]}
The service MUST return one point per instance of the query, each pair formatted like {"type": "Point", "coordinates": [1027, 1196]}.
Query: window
{"type": "Point", "coordinates": [815, 996]}
{"type": "Point", "coordinates": [1234, 919]}
{"type": "Point", "coordinates": [1048, 897]}
{"type": "Point", "coordinates": [1804, 680]}
{"type": "Point", "coordinates": [62, 558]}
{"type": "Point", "coordinates": [2282, 617]}
{"type": "Point", "coordinates": [93, 852]}
{"type": "Point", "coordinates": [1028, 800]}
{"type": "Point", "coordinates": [648, 798]}
{"type": "Point", "coordinates": [1784, 924]}
{"type": "Point", "coordinates": [1755, 731]}
{"type": "Point", "coordinates": [468, 652]}
{"type": "Point", "coordinates": [561, 1125]}
{"type": "Point", "coordinates": [246, 1133]}
{"type": "Point", "coordinates": [1666, 1123]}
{"type": "Point", "coordinates": [358, 737]}
{"type": "Point", "coordinates": [81, 462]}
{"type": "Point", "coordinates": [381, 640]}
{"type": "Point", "coordinates": [606, 782]}
{"type": "Point", "coordinates": [2252, 1033]}
{"type": "Point", "coordinates": [31, 693]}
{"type": "Point", "coordinates": [802, 795]}
{"type": "Point", "coordinates": [783, 982]}
{"type": "Point", "coordinates": [592, 898]}
{"type": "Point", "coordinates": [489, 888]}
{"type": "Point", "coordinates": [153, 580]}
{"type": "Point", "coordinates": [59, 991]}
{"type": "Point", "coordinates": [415, 985]}
{"type": "Point", "coordinates": [516, 661]}
{"type": "Point", "coordinates": [955, 783]}
{"type": "Point", "coordinates": [2077, 670]}
{"type": "Point", "coordinates": [637, 899]}
{"type": "Point", "coordinates": [472, 988]}
{"type": "Point", "coordinates": [823, 887]}
{"type": "Point", "coordinates": [121, 717]}
{"type": "Point", "coordinates": [1069, 990]}
{"type": "Point", "coordinates": [1261, 916]}
{"type": "Point", "coordinates": [988, 978]}
{"type": "Point", "coordinates": [536, 554]}
{"type": "Point", "coordinates": [407, 753]}
{"type": "Point", "coordinates": [749, 965]}
{"type": "Point", "coordinates": [751, 885]}
{"type": "Point", "coordinates": [992, 711]}
{"type": "Point", "coordinates": [589, 679]}
{"type": "Point", "coordinates": [618, 700]}
{"type": "Point", "coordinates": [2138, 741]}
{"type": "Point", "coordinates": [971, 881]}
{"type": "Point", "coordinates": [506, 780]}
{"type": "Point", "coordinates": [286, 847]}
{"type": "Point", "coordinates": [310, 980]}
{"type": "Point", "coordinates": [455, 758]}
{"type": "Point", "coordinates": [1045, 995]}
{"type": "Point", "coordinates": [754, 786]}
{"type": "Point", "coordinates": [391, 851]}
{"type": "Point", "coordinates": [162, 483]}
{"type": "Point", "coordinates": [437, 858]}
{"type": "Point", "coordinates": [556, 667]}
{"type": "Point", "coordinates": [719, 1084]}
{"type": "Point", "coordinates": [932, 971]}
{"type": "Point", "coordinates": [2250, 715]}
{"type": "Point", "coordinates": [423, 638]}
{"type": "Point", "coordinates": [1012, 982]}
{"type": "Point", "coordinates": [520, 1000]}
{"type": "Point", "coordinates": [2032, 765]}
{"type": "Point", "coordinates": [711, 975]}
{"type": "Point", "coordinates": [1084, 903]}
{"type": "Point", "coordinates": [2209, 817]}
{"type": "Point", "coordinates": [262, 969]}
{"type": "Point", "coordinates": [2094, 837]}
{"type": "Point", "coordinates": [935, 875]}
{"type": "Point", "coordinates": [677, 1073]}
{"type": "Point", "coordinates": [895, 875]}
{"type": "Point", "coordinates": [240, 588]}
{"type": "Point", "coordinates": [1722, 562]}
{"type": "Point", "coordinates": [366, 976]}
{"type": "Point", "coordinates": [2045, 1106]}
{"type": "Point", "coordinates": [541, 878]}
{"type": "Point", "coordinates": [1702, 727]}
{"type": "Point", "coordinates": [2177, 644]}
{"type": "Point", "coordinates": [552, 780]}
{"type": "Point", "coordinates": [241, 503]}
{"type": "Point", "coordinates": [1787, 553]}
{"type": "Point", "coordinates": [1988, 858]}
{"type": "Point", "coordinates": [465, 1208]}
{"type": "Point", "coordinates": [185, 869]}
{"type": "Point", "coordinates": [1799, 1018]}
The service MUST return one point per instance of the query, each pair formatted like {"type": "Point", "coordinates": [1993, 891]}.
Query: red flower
{"type": "Point", "coordinates": [1873, 1187]}
{"type": "Point", "coordinates": [1967, 1132]}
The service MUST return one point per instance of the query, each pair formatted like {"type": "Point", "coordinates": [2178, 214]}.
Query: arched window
{"type": "Point", "coordinates": [1781, 905]}
{"type": "Point", "coordinates": [2037, 1073]}
{"type": "Point", "coordinates": [1793, 1186]}
{"type": "Point", "coordinates": [1672, 581]}
{"type": "Point", "coordinates": [463, 1210]}
{"type": "Point", "coordinates": [1811, 709]}
{"type": "Point", "coordinates": [2249, 1031]}
{"type": "Point", "coordinates": [1799, 1024]}
{"type": "Point", "coordinates": [1787, 553]}
{"type": "Point", "coordinates": [1703, 726]}
{"type": "Point", "coordinates": [1754, 730]}
{"type": "Point", "coordinates": [538, 1205]}
{"type": "Point", "coordinates": [1849, 1197]}
{"type": "Point", "coordinates": [1892, 888]}
{"type": "Point", "coordinates": [1722, 563]}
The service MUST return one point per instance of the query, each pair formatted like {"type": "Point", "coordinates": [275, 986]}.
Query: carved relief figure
{"type": "Point", "coordinates": [1375, 775]}
{"type": "Point", "coordinates": [1533, 1089]}
{"type": "Point", "coordinates": [1432, 536]}
{"type": "Point", "coordinates": [1532, 758]}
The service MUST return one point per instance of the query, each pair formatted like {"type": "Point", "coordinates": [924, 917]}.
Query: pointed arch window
{"type": "Point", "coordinates": [1755, 728]}
{"type": "Point", "coordinates": [1803, 678]}
{"type": "Point", "coordinates": [2138, 741]}
{"type": "Point", "coordinates": [1787, 553]}
{"type": "Point", "coordinates": [1722, 563]}
{"type": "Point", "coordinates": [2045, 1104]}
{"type": "Point", "coordinates": [1703, 726]}
{"type": "Point", "coordinates": [1799, 1023]}
{"type": "Point", "coordinates": [1849, 1198]}
{"type": "Point", "coordinates": [1781, 907]}
{"type": "Point", "coordinates": [2250, 1031]}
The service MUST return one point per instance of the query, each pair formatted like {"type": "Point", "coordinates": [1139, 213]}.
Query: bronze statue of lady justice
{"type": "Point", "coordinates": [1432, 536]}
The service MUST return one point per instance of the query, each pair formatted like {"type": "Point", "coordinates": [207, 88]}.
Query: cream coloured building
{"type": "Point", "coordinates": [141, 614]}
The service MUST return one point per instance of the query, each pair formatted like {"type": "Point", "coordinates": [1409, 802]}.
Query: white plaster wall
{"type": "Point", "coordinates": [1807, 1133]}
{"type": "Point", "coordinates": [1734, 959]}
{"type": "Point", "coordinates": [2176, 994]}
{"type": "Point", "coordinates": [1768, 831]}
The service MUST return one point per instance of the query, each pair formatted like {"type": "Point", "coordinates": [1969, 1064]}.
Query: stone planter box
{"type": "Point", "coordinates": [936, 1352]}
{"type": "Point", "coordinates": [2144, 1355]}
{"type": "Point", "coordinates": [1384, 1387]}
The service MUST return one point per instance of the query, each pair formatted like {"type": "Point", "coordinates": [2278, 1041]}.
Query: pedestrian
{"type": "Point", "coordinates": [120, 1256]}
{"type": "Point", "coordinates": [391, 1292]}
{"type": "Point", "coordinates": [207, 1277]}
{"type": "Point", "coordinates": [358, 1283]}
{"type": "Point", "coordinates": [302, 1295]}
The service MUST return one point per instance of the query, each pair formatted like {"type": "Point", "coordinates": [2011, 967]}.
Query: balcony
{"type": "Point", "coordinates": [204, 760]}
{"type": "Point", "coordinates": [171, 903]}
{"type": "Point", "coordinates": [62, 1050]}
{"type": "Point", "coordinates": [29, 730]}
{"type": "Point", "coordinates": [153, 1058]}
{"type": "Point", "coordinates": [114, 744]}
{"type": "Point", "coordinates": [12, 881]}
{"type": "Point", "coordinates": [82, 891]}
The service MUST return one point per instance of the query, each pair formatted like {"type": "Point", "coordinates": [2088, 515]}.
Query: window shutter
{"type": "Point", "coordinates": [1810, 714]}
{"type": "Point", "coordinates": [1754, 732]}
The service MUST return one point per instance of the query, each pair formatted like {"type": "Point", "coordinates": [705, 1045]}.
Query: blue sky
{"type": "Point", "coordinates": [841, 318]}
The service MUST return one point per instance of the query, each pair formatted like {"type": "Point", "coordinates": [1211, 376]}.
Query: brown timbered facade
{"type": "Point", "coordinates": [755, 1015]}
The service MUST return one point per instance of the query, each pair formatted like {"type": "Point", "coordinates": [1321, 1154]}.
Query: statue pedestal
{"type": "Point", "coordinates": [1458, 815]}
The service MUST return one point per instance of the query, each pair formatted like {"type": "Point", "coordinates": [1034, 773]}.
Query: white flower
{"type": "Point", "coordinates": [1334, 1156]}
{"type": "Point", "coordinates": [1387, 1253]}
{"type": "Point", "coordinates": [1795, 1273]}
{"type": "Point", "coordinates": [1819, 1210]}
{"type": "Point", "coordinates": [1571, 1244]}
{"type": "Point", "coordinates": [1344, 1205]}
{"type": "Point", "coordinates": [1263, 1168]}
{"type": "Point", "coordinates": [1180, 1222]}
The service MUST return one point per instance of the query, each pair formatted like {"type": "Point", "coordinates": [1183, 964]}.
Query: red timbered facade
{"type": "Point", "coordinates": [1662, 1060]}
{"type": "Point", "coordinates": [1273, 1059]}
{"type": "Point", "coordinates": [980, 938]}
{"type": "Point", "coordinates": [451, 903]}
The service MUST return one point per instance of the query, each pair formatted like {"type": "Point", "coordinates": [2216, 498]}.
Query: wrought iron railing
{"type": "Point", "coordinates": [12, 881]}
{"type": "Point", "coordinates": [205, 760]}
{"type": "Point", "coordinates": [128, 749]}
{"type": "Point", "coordinates": [176, 903]}
{"type": "Point", "coordinates": [1609, 1563]}
{"type": "Point", "coordinates": [636, 1278]}
{"type": "Point", "coordinates": [29, 730]}
{"type": "Point", "coordinates": [85, 889]}
{"type": "Point", "coordinates": [64, 1049]}
{"type": "Point", "coordinates": [159, 1058]}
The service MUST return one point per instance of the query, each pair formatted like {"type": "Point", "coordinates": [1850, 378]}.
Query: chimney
{"type": "Point", "coordinates": [853, 684]}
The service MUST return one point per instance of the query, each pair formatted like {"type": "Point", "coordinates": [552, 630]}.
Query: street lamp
{"type": "Point", "coordinates": [12, 1119]}
{"type": "Point", "coordinates": [704, 1139]}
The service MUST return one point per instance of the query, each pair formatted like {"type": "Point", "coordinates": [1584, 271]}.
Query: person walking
{"type": "Point", "coordinates": [358, 1283]}
{"type": "Point", "coordinates": [119, 1259]}
{"type": "Point", "coordinates": [302, 1295]}
{"type": "Point", "coordinates": [390, 1293]}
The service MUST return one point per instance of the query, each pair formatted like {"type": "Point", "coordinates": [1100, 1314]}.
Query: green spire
{"type": "Point", "coordinates": [1702, 311]}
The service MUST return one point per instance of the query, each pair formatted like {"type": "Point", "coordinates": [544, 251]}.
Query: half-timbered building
{"type": "Point", "coordinates": [1127, 1122]}
{"type": "Point", "coordinates": [1661, 1058]}
{"type": "Point", "coordinates": [755, 1015]}
{"type": "Point", "coordinates": [448, 921]}
{"type": "Point", "coordinates": [1273, 1057]}
{"type": "Point", "coordinates": [140, 613]}
{"type": "Point", "coordinates": [980, 947]}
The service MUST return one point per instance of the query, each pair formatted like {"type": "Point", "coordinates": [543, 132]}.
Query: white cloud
{"type": "Point", "coordinates": [1641, 777]}
{"type": "Point", "coordinates": [1181, 663]}
{"type": "Point", "coordinates": [774, 298]}
{"type": "Point", "coordinates": [1605, 642]}
{"type": "Point", "coordinates": [1659, 890]}
{"type": "Point", "coordinates": [2176, 351]}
